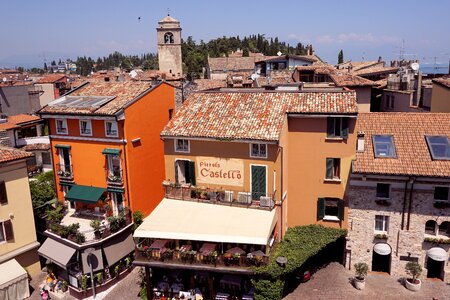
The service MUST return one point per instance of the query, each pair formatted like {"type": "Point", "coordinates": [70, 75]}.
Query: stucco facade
{"type": "Point", "coordinates": [440, 99]}
{"type": "Point", "coordinates": [18, 210]}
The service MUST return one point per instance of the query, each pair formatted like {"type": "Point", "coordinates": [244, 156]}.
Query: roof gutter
{"type": "Point", "coordinates": [218, 139]}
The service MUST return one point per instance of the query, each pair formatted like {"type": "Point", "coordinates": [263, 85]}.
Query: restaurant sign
{"type": "Point", "coordinates": [220, 171]}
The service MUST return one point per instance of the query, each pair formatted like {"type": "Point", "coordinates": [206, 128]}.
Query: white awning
{"type": "Point", "coordinates": [13, 281]}
{"type": "Point", "coordinates": [437, 254]}
{"type": "Point", "coordinates": [57, 252]}
{"type": "Point", "coordinates": [382, 249]}
{"type": "Point", "coordinates": [186, 220]}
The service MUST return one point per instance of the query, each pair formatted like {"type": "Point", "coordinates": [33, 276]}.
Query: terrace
{"type": "Point", "coordinates": [187, 192]}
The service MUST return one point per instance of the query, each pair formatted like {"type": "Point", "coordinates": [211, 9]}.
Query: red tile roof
{"type": "Point", "coordinates": [123, 93]}
{"type": "Point", "coordinates": [226, 64]}
{"type": "Point", "coordinates": [51, 78]}
{"type": "Point", "coordinates": [35, 147]}
{"type": "Point", "coordinates": [250, 115]}
{"type": "Point", "coordinates": [409, 131]}
{"type": "Point", "coordinates": [443, 81]}
{"type": "Point", "coordinates": [340, 77]}
{"type": "Point", "coordinates": [17, 120]}
{"type": "Point", "coordinates": [10, 154]}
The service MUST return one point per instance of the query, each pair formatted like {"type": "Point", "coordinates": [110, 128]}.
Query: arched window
{"type": "Point", "coordinates": [444, 228]}
{"type": "Point", "coordinates": [168, 38]}
{"type": "Point", "coordinates": [430, 227]}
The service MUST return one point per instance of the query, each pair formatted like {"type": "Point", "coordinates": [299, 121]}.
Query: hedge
{"type": "Point", "coordinates": [299, 244]}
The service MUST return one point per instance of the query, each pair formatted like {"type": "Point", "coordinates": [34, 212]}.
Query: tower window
{"type": "Point", "coordinates": [168, 38]}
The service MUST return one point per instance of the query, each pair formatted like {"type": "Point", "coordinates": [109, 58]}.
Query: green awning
{"type": "Point", "coordinates": [62, 146]}
{"type": "Point", "coordinates": [115, 190]}
{"type": "Point", "coordinates": [65, 183]}
{"type": "Point", "coordinates": [111, 151]}
{"type": "Point", "coordinates": [85, 194]}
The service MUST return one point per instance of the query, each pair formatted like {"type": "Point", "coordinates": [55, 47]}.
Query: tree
{"type": "Point", "coordinates": [341, 57]}
{"type": "Point", "coordinates": [42, 190]}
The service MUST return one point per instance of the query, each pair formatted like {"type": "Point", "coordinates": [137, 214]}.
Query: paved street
{"type": "Point", "coordinates": [333, 282]}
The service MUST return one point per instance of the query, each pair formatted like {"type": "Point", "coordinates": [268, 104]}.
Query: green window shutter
{"type": "Point", "coordinates": [344, 130]}
{"type": "Point", "coordinates": [329, 172]}
{"type": "Point", "coordinates": [330, 127]}
{"type": "Point", "coordinates": [341, 211]}
{"type": "Point", "coordinates": [9, 233]}
{"type": "Point", "coordinates": [3, 195]}
{"type": "Point", "coordinates": [258, 182]}
{"type": "Point", "coordinates": [320, 208]}
{"type": "Point", "coordinates": [192, 172]}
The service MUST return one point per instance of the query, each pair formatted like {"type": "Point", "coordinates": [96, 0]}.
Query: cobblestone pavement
{"type": "Point", "coordinates": [127, 288]}
{"type": "Point", "coordinates": [333, 282]}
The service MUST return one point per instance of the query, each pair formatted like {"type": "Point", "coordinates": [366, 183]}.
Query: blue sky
{"type": "Point", "coordinates": [31, 30]}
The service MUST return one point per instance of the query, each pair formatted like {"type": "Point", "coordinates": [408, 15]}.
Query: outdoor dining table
{"type": "Point", "coordinates": [158, 244]}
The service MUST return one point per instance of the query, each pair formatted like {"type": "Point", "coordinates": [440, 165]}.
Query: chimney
{"type": "Point", "coordinates": [308, 51]}
{"type": "Point", "coordinates": [360, 142]}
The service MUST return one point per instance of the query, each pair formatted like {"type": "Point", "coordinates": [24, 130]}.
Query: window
{"type": "Point", "coordinates": [441, 193]}
{"type": "Point", "coordinates": [337, 127]}
{"type": "Point", "coordinates": [3, 195]}
{"type": "Point", "coordinates": [61, 126]}
{"type": "Point", "coordinates": [330, 209]}
{"type": "Point", "coordinates": [258, 150]}
{"type": "Point", "coordinates": [383, 190]}
{"type": "Point", "coordinates": [85, 127]}
{"type": "Point", "coordinates": [6, 231]}
{"type": "Point", "coordinates": [444, 228]}
{"type": "Point", "coordinates": [168, 38]}
{"type": "Point", "coordinates": [117, 203]}
{"type": "Point", "coordinates": [185, 172]}
{"type": "Point", "coordinates": [381, 223]}
{"type": "Point", "coordinates": [390, 101]}
{"type": "Point", "coordinates": [182, 146]}
{"type": "Point", "coordinates": [111, 129]}
{"type": "Point", "coordinates": [383, 146]}
{"type": "Point", "coordinates": [46, 158]}
{"type": "Point", "coordinates": [170, 114]}
{"type": "Point", "coordinates": [333, 171]}
{"type": "Point", "coordinates": [430, 227]}
{"type": "Point", "coordinates": [114, 168]}
{"type": "Point", "coordinates": [439, 147]}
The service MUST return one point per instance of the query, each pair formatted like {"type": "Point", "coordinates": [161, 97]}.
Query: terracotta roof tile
{"type": "Point", "coordinates": [251, 116]}
{"type": "Point", "coordinates": [340, 77]}
{"type": "Point", "coordinates": [123, 93]}
{"type": "Point", "coordinates": [10, 154]}
{"type": "Point", "coordinates": [409, 131]}
{"type": "Point", "coordinates": [226, 64]}
{"type": "Point", "coordinates": [37, 146]}
{"type": "Point", "coordinates": [17, 120]}
{"type": "Point", "coordinates": [51, 78]}
{"type": "Point", "coordinates": [444, 81]}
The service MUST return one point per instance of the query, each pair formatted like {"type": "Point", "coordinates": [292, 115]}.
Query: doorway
{"type": "Point", "coordinates": [435, 268]}
{"type": "Point", "coordinates": [381, 258]}
{"type": "Point", "coordinates": [185, 171]}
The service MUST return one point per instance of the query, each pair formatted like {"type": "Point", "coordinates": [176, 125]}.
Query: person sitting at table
{"type": "Point", "coordinates": [51, 281]}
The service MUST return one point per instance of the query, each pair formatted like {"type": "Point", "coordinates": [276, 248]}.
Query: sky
{"type": "Point", "coordinates": [32, 32]}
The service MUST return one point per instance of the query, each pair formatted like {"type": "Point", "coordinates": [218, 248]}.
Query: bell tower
{"type": "Point", "coordinates": [169, 46]}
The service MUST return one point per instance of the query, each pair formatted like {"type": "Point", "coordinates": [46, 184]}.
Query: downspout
{"type": "Point", "coordinates": [281, 194]}
{"type": "Point", "coordinates": [410, 201]}
{"type": "Point", "coordinates": [404, 203]}
{"type": "Point", "coordinates": [125, 159]}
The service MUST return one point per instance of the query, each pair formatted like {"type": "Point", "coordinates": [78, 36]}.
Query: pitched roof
{"type": "Point", "coordinates": [408, 131]}
{"type": "Point", "coordinates": [310, 58]}
{"type": "Point", "coordinates": [36, 147]}
{"type": "Point", "coordinates": [10, 154]}
{"type": "Point", "coordinates": [51, 78]}
{"type": "Point", "coordinates": [224, 64]}
{"type": "Point", "coordinates": [250, 115]}
{"type": "Point", "coordinates": [374, 70]}
{"type": "Point", "coordinates": [443, 81]}
{"type": "Point", "coordinates": [17, 120]}
{"type": "Point", "coordinates": [340, 78]}
{"type": "Point", "coordinates": [123, 93]}
{"type": "Point", "coordinates": [208, 84]}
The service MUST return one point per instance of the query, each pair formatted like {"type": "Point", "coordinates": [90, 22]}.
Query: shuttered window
{"type": "Point", "coordinates": [330, 209]}
{"type": "Point", "coordinates": [9, 233]}
{"type": "Point", "coordinates": [333, 168]}
{"type": "Point", "coordinates": [258, 182]}
{"type": "Point", "coordinates": [3, 195]}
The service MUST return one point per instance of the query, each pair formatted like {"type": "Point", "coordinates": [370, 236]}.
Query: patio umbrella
{"type": "Point", "coordinates": [258, 253]}
{"type": "Point", "coordinates": [236, 250]}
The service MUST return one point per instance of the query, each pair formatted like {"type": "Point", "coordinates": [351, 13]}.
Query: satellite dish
{"type": "Point", "coordinates": [4, 79]}
{"type": "Point", "coordinates": [279, 53]}
{"type": "Point", "coordinates": [415, 66]}
{"type": "Point", "coordinates": [133, 74]}
{"type": "Point", "coordinates": [254, 76]}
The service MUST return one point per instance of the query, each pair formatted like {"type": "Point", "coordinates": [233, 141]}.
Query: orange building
{"type": "Point", "coordinates": [108, 160]}
{"type": "Point", "coordinates": [242, 167]}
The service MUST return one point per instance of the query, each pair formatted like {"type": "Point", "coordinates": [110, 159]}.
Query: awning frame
{"type": "Point", "coordinates": [85, 194]}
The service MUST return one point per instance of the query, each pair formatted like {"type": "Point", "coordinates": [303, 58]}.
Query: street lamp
{"type": "Point", "coordinates": [92, 262]}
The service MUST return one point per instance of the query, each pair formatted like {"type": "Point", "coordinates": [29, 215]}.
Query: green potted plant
{"type": "Point", "coordinates": [127, 261]}
{"type": "Point", "coordinates": [95, 224]}
{"type": "Point", "coordinates": [98, 278]}
{"type": "Point", "coordinates": [413, 269]}
{"type": "Point", "coordinates": [64, 286]}
{"type": "Point", "coordinates": [83, 282]}
{"type": "Point", "coordinates": [117, 270]}
{"type": "Point", "coordinates": [361, 270]}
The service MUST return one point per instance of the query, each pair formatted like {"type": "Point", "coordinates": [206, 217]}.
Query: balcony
{"type": "Point", "coordinates": [33, 140]}
{"type": "Point", "coordinates": [210, 256]}
{"type": "Point", "coordinates": [65, 172]}
{"type": "Point", "coordinates": [216, 196]}
{"type": "Point", "coordinates": [114, 177]}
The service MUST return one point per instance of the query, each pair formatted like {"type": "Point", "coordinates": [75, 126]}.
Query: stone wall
{"type": "Point", "coordinates": [362, 212]}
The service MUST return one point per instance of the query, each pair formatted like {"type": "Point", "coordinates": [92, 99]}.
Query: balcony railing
{"type": "Point", "coordinates": [171, 256]}
{"type": "Point", "coordinates": [216, 196]}
{"type": "Point", "coordinates": [65, 171]}
{"type": "Point", "coordinates": [114, 177]}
